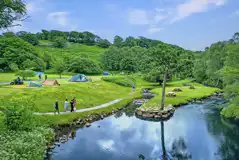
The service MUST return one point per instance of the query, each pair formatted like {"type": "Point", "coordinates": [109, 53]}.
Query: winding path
{"type": "Point", "coordinates": [83, 110]}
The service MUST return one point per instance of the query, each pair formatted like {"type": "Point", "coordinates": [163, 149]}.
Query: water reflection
{"type": "Point", "coordinates": [194, 132]}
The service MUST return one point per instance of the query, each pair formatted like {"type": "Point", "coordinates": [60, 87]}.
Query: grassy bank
{"type": "Point", "coordinates": [182, 97]}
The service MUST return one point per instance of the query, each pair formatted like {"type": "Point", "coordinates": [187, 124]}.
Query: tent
{"type": "Point", "coordinates": [50, 83]}
{"type": "Point", "coordinates": [79, 78]}
{"type": "Point", "coordinates": [33, 84]}
{"type": "Point", "coordinates": [106, 73]}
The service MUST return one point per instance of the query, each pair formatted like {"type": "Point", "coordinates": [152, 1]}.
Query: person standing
{"type": "Point", "coordinates": [56, 105]}
{"type": "Point", "coordinates": [45, 77]}
{"type": "Point", "coordinates": [72, 105]}
{"type": "Point", "coordinates": [133, 87]}
{"type": "Point", "coordinates": [66, 105]}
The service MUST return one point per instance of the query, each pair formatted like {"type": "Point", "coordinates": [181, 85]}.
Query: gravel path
{"type": "Point", "coordinates": [83, 110]}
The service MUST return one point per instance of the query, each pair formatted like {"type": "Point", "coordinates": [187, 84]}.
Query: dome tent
{"type": "Point", "coordinates": [79, 78]}
{"type": "Point", "coordinates": [33, 84]}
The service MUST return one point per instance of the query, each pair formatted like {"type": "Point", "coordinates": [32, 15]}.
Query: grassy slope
{"type": "Point", "coordinates": [87, 94]}
{"type": "Point", "coordinates": [73, 49]}
{"type": "Point", "coordinates": [182, 97]}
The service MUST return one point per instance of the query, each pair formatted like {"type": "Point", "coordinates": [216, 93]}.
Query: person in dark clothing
{"type": "Point", "coordinates": [56, 107]}
{"type": "Point", "coordinates": [18, 80]}
{"type": "Point", "coordinates": [39, 76]}
{"type": "Point", "coordinates": [72, 105]}
{"type": "Point", "coordinates": [45, 77]}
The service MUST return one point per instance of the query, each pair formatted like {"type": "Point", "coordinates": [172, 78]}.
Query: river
{"type": "Point", "coordinates": [196, 131]}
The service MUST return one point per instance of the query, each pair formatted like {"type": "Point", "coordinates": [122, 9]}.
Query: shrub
{"type": "Point", "coordinates": [19, 115]}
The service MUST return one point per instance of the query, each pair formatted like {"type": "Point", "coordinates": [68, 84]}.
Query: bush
{"type": "Point", "coordinates": [13, 67]}
{"type": "Point", "coordinates": [85, 65]}
{"type": "Point", "coordinates": [17, 145]}
{"type": "Point", "coordinates": [59, 42]}
{"type": "Point", "coordinates": [19, 115]}
{"type": "Point", "coordinates": [25, 73]}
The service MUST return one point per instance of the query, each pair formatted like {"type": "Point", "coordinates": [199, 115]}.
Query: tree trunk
{"type": "Point", "coordinates": [163, 89]}
{"type": "Point", "coordinates": [164, 156]}
{"type": "Point", "coordinates": [60, 76]}
{"type": "Point", "coordinates": [217, 81]}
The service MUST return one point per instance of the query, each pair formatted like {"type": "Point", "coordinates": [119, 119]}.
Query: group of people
{"type": "Point", "coordinates": [40, 77]}
{"type": "Point", "coordinates": [66, 105]}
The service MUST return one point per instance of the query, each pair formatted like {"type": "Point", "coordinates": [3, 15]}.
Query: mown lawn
{"type": "Point", "coordinates": [182, 97]}
{"type": "Point", "coordinates": [87, 94]}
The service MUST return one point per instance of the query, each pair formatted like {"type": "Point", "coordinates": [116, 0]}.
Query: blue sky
{"type": "Point", "coordinates": [192, 24]}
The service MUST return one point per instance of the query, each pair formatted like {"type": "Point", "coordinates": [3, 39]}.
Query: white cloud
{"type": "Point", "coordinates": [60, 18]}
{"type": "Point", "coordinates": [35, 6]}
{"type": "Point", "coordinates": [138, 17]}
{"type": "Point", "coordinates": [195, 6]}
{"type": "Point", "coordinates": [153, 30]}
{"type": "Point", "coordinates": [107, 145]}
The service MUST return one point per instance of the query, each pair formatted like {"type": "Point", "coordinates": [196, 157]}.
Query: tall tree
{"type": "Point", "coordinates": [118, 41]}
{"type": "Point", "coordinates": [166, 58]}
{"type": "Point", "coordinates": [11, 11]}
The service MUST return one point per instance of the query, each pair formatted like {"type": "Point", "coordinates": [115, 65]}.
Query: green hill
{"type": "Point", "coordinates": [72, 49]}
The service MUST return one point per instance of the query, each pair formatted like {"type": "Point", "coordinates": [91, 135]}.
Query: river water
{"type": "Point", "coordinates": [196, 131]}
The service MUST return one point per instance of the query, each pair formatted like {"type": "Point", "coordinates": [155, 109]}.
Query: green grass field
{"type": "Point", "coordinates": [73, 49]}
{"type": "Point", "coordinates": [8, 77]}
{"type": "Point", "coordinates": [182, 97]}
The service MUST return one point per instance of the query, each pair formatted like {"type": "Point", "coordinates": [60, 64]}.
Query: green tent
{"type": "Point", "coordinates": [33, 84]}
{"type": "Point", "coordinates": [79, 78]}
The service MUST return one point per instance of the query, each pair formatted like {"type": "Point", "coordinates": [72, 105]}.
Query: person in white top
{"type": "Point", "coordinates": [66, 105]}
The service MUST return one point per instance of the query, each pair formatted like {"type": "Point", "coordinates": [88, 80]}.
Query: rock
{"type": "Point", "coordinates": [57, 144]}
{"type": "Point", "coordinates": [177, 89]}
{"type": "Point", "coordinates": [139, 112]}
{"type": "Point", "coordinates": [88, 124]}
{"type": "Point", "coordinates": [148, 115]}
{"type": "Point", "coordinates": [186, 84]}
{"type": "Point", "coordinates": [101, 117]}
{"type": "Point", "coordinates": [49, 153]}
{"type": "Point", "coordinates": [171, 94]}
{"type": "Point", "coordinates": [52, 146]}
{"type": "Point", "coordinates": [157, 116]}
{"type": "Point", "coordinates": [191, 87]}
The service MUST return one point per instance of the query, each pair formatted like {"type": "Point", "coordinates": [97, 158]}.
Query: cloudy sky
{"type": "Point", "coordinates": [192, 24]}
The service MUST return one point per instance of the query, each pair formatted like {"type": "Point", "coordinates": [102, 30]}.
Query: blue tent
{"type": "Point", "coordinates": [79, 78]}
{"type": "Point", "coordinates": [33, 84]}
{"type": "Point", "coordinates": [106, 73]}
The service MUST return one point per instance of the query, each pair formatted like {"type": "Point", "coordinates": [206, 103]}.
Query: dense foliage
{"type": "Point", "coordinates": [10, 12]}
{"type": "Point", "coordinates": [22, 136]}
{"type": "Point", "coordinates": [218, 66]}
{"type": "Point", "coordinates": [16, 54]}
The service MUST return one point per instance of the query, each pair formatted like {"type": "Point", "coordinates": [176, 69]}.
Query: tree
{"type": "Point", "coordinates": [11, 11]}
{"type": "Point", "coordinates": [104, 43]}
{"type": "Point", "coordinates": [28, 37]}
{"type": "Point", "coordinates": [166, 58]}
{"type": "Point", "coordinates": [59, 67]}
{"type": "Point", "coordinates": [9, 34]}
{"type": "Point", "coordinates": [85, 65]}
{"type": "Point", "coordinates": [25, 74]}
{"type": "Point", "coordinates": [15, 50]}
{"type": "Point", "coordinates": [59, 42]}
{"type": "Point", "coordinates": [118, 41]}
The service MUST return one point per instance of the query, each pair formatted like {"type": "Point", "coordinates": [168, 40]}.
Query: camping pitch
{"type": "Point", "coordinates": [50, 83]}
{"type": "Point", "coordinates": [79, 78]}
